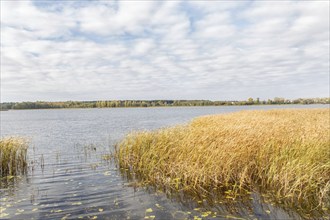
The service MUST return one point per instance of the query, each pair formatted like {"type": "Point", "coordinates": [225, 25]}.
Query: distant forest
{"type": "Point", "coordinates": [154, 103]}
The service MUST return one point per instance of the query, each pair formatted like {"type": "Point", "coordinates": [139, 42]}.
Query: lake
{"type": "Point", "coordinates": [69, 179]}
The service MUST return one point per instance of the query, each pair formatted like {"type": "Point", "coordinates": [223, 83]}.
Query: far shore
{"type": "Point", "coordinates": [188, 106]}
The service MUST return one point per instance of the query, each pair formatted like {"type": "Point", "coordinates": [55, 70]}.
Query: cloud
{"type": "Point", "coordinates": [163, 50]}
{"type": "Point", "coordinates": [106, 20]}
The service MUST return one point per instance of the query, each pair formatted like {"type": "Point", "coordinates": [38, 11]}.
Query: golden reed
{"type": "Point", "coordinates": [13, 156]}
{"type": "Point", "coordinates": [285, 152]}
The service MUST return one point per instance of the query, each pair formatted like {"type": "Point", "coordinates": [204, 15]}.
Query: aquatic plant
{"type": "Point", "coordinates": [285, 153]}
{"type": "Point", "coordinates": [13, 156]}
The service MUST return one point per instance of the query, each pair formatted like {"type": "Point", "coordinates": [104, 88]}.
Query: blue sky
{"type": "Point", "coordinates": [218, 50]}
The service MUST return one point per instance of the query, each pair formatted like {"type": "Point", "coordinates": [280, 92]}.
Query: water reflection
{"type": "Point", "coordinates": [215, 203]}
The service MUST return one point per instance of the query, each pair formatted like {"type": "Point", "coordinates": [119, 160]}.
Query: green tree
{"type": "Point", "coordinates": [250, 101]}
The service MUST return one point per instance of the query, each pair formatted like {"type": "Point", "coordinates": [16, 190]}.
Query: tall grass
{"type": "Point", "coordinates": [13, 156]}
{"type": "Point", "coordinates": [283, 152]}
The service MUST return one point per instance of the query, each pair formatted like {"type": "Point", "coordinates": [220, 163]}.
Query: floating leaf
{"type": "Point", "coordinates": [94, 217]}
{"type": "Point", "coordinates": [36, 209]}
{"type": "Point", "coordinates": [149, 210]}
{"type": "Point", "coordinates": [76, 203]}
{"type": "Point", "coordinates": [59, 210]}
{"type": "Point", "coordinates": [107, 173]}
{"type": "Point", "coordinates": [20, 210]}
{"type": "Point", "coordinates": [268, 211]}
{"type": "Point", "coordinates": [233, 217]}
{"type": "Point", "coordinates": [100, 210]}
{"type": "Point", "coordinates": [152, 216]}
{"type": "Point", "coordinates": [205, 214]}
{"type": "Point", "coordinates": [2, 214]}
{"type": "Point", "coordinates": [65, 217]}
{"type": "Point", "coordinates": [158, 206]}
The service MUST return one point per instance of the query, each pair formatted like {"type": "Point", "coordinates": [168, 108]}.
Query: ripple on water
{"type": "Point", "coordinates": [68, 178]}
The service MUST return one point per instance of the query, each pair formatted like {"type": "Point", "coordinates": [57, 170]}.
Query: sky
{"type": "Point", "coordinates": [111, 50]}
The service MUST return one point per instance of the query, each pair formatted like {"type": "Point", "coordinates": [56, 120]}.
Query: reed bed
{"type": "Point", "coordinates": [13, 156]}
{"type": "Point", "coordinates": [283, 152]}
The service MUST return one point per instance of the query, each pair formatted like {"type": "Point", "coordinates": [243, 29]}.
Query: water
{"type": "Point", "coordinates": [68, 178]}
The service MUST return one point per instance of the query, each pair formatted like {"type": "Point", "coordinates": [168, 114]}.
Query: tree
{"type": "Point", "coordinates": [278, 100]}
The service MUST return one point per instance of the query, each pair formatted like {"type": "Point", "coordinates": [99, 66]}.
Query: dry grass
{"type": "Point", "coordinates": [13, 159]}
{"type": "Point", "coordinates": [285, 152]}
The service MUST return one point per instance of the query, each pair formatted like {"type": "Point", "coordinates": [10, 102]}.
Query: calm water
{"type": "Point", "coordinates": [69, 179]}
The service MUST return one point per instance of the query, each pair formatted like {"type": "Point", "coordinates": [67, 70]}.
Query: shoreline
{"type": "Point", "coordinates": [322, 104]}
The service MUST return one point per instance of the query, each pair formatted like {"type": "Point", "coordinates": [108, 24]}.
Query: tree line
{"type": "Point", "coordinates": [155, 103]}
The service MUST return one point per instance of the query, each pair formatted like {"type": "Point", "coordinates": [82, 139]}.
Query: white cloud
{"type": "Point", "coordinates": [125, 18]}
{"type": "Point", "coordinates": [24, 16]}
{"type": "Point", "coordinates": [150, 50]}
{"type": "Point", "coordinates": [143, 46]}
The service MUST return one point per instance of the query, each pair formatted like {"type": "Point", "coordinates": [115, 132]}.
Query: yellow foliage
{"type": "Point", "coordinates": [286, 151]}
{"type": "Point", "coordinates": [13, 156]}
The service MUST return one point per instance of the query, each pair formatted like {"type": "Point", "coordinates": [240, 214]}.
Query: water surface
{"type": "Point", "coordinates": [68, 178]}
